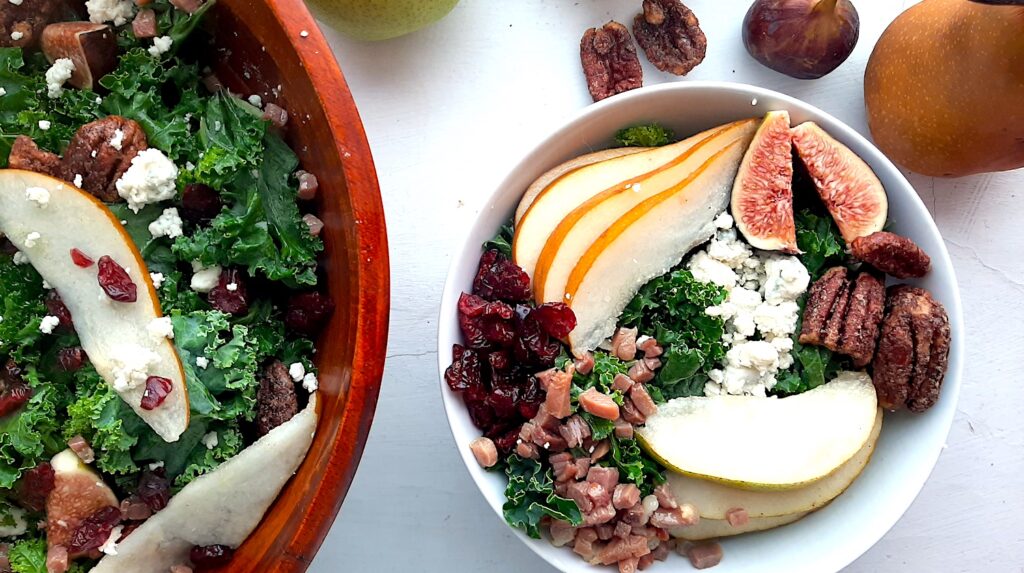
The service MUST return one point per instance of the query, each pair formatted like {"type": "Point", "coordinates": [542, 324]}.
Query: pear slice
{"type": "Point", "coordinates": [764, 443]}
{"type": "Point", "coordinates": [584, 224]}
{"type": "Point", "coordinates": [114, 334]}
{"type": "Point", "coordinates": [553, 174]}
{"type": "Point", "coordinates": [554, 202]}
{"type": "Point", "coordinates": [78, 492]}
{"type": "Point", "coordinates": [219, 508]}
{"type": "Point", "coordinates": [646, 242]}
{"type": "Point", "coordinates": [714, 500]}
{"type": "Point", "coordinates": [716, 528]}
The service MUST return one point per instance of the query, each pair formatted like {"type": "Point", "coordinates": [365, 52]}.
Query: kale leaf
{"type": "Point", "coordinates": [648, 135]}
{"type": "Point", "coordinates": [530, 495]}
{"type": "Point", "coordinates": [502, 242]}
{"type": "Point", "coordinates": [634, 465]}
{"type": "Point", "coordinates": [819, 239]}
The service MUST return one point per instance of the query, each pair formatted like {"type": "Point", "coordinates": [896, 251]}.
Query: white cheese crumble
{"type": "Point", "coordinates": [130, 366]}
{"type": "Point", "coordinates": [160, 328]}
{"type": "Point", "coordinates": [297, 371]}
{"type": "Point", "coordinates": [3, 92]}
{"type": "Point", "coordinates": [151, 178]}
{"type": "Point", "coordinates": [205, 278]}
{"type": "Point", "coordinates": [39, 195]}
{"type": "Point", "coordinates": [32, 239]}
{"type": "Point", "coordinates": [109, 546]}
{"type": "Point", "coordinates": [203, 362]}
{"type": "Point", "coordinates": [232, 286]}
{"type": "Point", "coordinates": [48, 323]}
{"type": "Point", "coordinates": [157, 278]}
{"type": "Point", "coordinates": [161, 45]}
{"type": "Point", "coordinates": [210, 440]}
{"type": "Point", "coordinates": [45, 124]}
{"type": "Point", "coordinates": [57, 75]}
{"type": "Point", "coordinates": [168, 224]}
{"type": "Point", "coordinates": [78, 180]}
{"type": "Point", "coordinates": [14, 523]}
{"type": "Point", "coordinates": [760, 311]}
{"type": "Point", "coordinates": [20, 258]}
{"type": "Point", "coordinates": [118, 139]}
{"type": "Point", "coordinates": [116, 11]}
{"type": "Point", "coordinates": [17, 35]}
{"type": "Point", "coordinates": [310, 383]}
{"type": "Point", "coordinates": [155, 466]}
{"type": "Point", "coordinates": [256, 100]}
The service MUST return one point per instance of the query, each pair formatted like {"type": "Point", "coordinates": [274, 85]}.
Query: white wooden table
{"type": "Point", "coordinates": [448, 112]}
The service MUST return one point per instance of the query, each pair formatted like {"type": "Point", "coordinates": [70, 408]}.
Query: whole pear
{"type": "Point", "coordinates": [944, 87]}
{"type": "Point", "coordinates": [380, 19]}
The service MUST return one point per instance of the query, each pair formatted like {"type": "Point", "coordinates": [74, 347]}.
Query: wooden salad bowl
{"type": "Point", "coordinates": [273, 48]}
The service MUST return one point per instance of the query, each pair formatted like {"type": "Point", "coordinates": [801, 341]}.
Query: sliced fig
{"type": "Point", "coordinates": [78, 493]}
{"type": "Point", "coordinates": [848, 187]}
{"type": "Point", "coordinates": [762, 195]}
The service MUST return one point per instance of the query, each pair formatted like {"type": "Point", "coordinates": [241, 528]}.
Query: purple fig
{"type": "Point", "coordinates": [804, 39]}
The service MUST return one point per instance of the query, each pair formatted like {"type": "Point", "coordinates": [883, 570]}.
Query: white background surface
{"type": "Point", "coordinates": [449, 110]}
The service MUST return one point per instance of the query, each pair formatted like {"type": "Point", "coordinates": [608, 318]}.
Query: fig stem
{"type": "Point", "coordinates": [827, 6]}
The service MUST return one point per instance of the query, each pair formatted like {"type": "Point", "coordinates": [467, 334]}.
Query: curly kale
{"type": "Point", "coordinates": [648, 135]}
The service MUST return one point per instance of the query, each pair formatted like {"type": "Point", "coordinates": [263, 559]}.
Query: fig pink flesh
{"type": "Point", "coordinates": [762, 197]}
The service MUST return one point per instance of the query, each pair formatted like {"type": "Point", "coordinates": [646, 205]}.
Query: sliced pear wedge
{"type": "Point", "coordinates": [716, 528]}
{"type": "Point", "coordinates": [548, 207]}
{"type": "Point", "coordinates": [115, 335]}
{"type": "Point", "coordinates": [764, 443]}
{"type": "Point", "coordinates": [551, 175]}
{"type": "Point", "coordinates": [219, 508]}
{"type": "Point", "coordinates": [646, 242]}
{"type": "Point", "coordinates": [583, 225]}
{"type": "Point", "coordinates": [714, 500]}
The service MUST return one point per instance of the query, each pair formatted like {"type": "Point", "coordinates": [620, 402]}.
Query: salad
{"type": "Point", "coordinates": [657, 313]}
{"type": "Point", "coordinates": [160, 293]}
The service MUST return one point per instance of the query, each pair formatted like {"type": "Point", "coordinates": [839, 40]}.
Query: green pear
{"type": "Point", "coordinates": [380, 19]}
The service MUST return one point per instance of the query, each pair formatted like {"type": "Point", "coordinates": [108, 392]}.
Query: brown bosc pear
{"type": "Point", "coordinates": [944, 86]}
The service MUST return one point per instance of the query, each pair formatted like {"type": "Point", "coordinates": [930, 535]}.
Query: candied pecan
{"type": "Point", "coordinates": [819, 304]}
{"type": "Point", "coordinates": [863, 317]}
{"type": "Point", "coordinates": [670, 35]}
{"type": "Point", "coordinates": [924, 391]}
{"type": "Point", "coordinates": [276, 401]}
{"type": "Point", "coordinates": [101, 155]}
{"type": "Point", "coordinates": [21, 24]}
{"type": "Point", "coordinates": [837, 318]}
{"type": "Point", "coordinates": [25, 154]}
{"type": "Point", "coordinates": [892, 254]}
{"type": "Point", "coordinates": [609, 61]}
{"type": "Point", "coordinates": [894, 361]}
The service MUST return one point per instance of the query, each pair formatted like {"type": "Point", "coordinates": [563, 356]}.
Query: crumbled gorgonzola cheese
{"type": "Point", "coordinates": [48, 323]}
{"type": "Point", "coordinates": [168, 224]}
{"type": "Point", "coordinates": [160, 328]}
{"type": "Point", "coordinates": [57, 75]}
{"type": "Point", "coordinates": [297, 371]}
{"type": "Point", "coordinates": [32, 239]}
{"type": "Point", "coordinates": [210, 440]}
{"type": "Point", "coordinates": [116, 11]}
{"type": "Point", "coordinates": [310, 383]}
{"type": "Point", "coordinates": [130, 366]}
{"type": "Point", "coordinates": [157, 278]}
{"type": "Point", "coordinates": [161, 45]}
{"type": "Point", "coordinates": [39, 195]}
{"type": "Point", "coordinates": [205, 278]}
{"type": "Point", "coordinates": [151, 178]}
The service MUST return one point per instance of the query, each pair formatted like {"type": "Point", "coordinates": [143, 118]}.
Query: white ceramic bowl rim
{"type": "Point", "coordinates": [856, 520]}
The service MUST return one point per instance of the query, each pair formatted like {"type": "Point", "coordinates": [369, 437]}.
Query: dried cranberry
{"type": "Point", "coordinates": [500, 278]}
{"type": "Point", "coordinates": [200, 202]}
{"type": "Point", "coordinates": [503, 400]}
{"type": "Point", "coordinates": [210, 556]}
{"type": "Point", "coordinates": [556, 318]}
{"type": "Point", "coordinates": [157, 389]}
{"type": "Point", "coordinates": [531, 396]}
{"type": "Point", "coordinates": [55, 307]}
{"type": "Point", "coordinates": [14, 392]}
{"type": "Point", "coordinates": [230, 295]}
{"type": "Point", "coordinates": [464, 372]}
{"type": "Point", "coordinates": [154, 490]}
{"type": "Point", "coordinates": [114, 281]}
{"type": "Point", "coordinates": [534, 346]}
{"type": "Point", "coordinates": [81, 259]}
{"type": "Point", "coordinates": [94, 531]}
{"type": "Point", "coordinates": [484, 322]}
{"type": "Point", "coordinates": [306, 312]}
{"type": "Point", "coordinates": [34, 487]}
{"type": "Point", "coordinates": [499, 360]}
{"type": "Point", "coordinates": [481, 413]}
{"type": "Point", "coordinates": [71, 359]}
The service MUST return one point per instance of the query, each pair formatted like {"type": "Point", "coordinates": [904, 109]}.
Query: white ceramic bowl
{"type": "Point", "coordinates": [829, 539]}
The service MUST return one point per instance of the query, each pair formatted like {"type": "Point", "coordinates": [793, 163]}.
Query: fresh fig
{"type": "Point", "coordinates": [78, 493]}
{"type": "Point", "coordinates": [804, 39]}
{"type": "Point", "coordinates": [762, 195]}
{"type": "Point", "coordinates": [91, 47]}
{"type": "Point", "coordinates": [848, 187]}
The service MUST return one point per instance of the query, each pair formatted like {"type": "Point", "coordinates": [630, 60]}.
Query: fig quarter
{"type": "Point", "coordinates": [91, 47]}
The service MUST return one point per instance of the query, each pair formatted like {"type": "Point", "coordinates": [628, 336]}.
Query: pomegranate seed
{"type": "Point", "coordinates": [34, 486]}
{"type": "Point", "coordinates": [95, 530]}
{"type": "Point", "coordinates": [307, 311]}
{"type": "Point", "coordinates": [114, 281]}
{"type": "Point", "coordinates": [157, 389]}
{"type": "Point", "coordinates": [154, 490]}
{"type": "Point", "coordinates": [230, 295]}
{"type": "Point", "coordinates": [200, 202]}
{"type": "Point", "coordinates": [71, 359]}
{"type": "Point", "coordinates": [210, 556]}
{"type": "Point", "coordinates": [81, 259]}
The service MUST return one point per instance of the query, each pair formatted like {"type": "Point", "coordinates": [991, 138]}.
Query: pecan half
{"type": "Point", "coordinates": [913, 352]}
{"type": "Point", "coordinates": [670, 35]}
{"type": "Point", "coordinates": [609, 61]}
{"type": "Point", "coordinates": [892, 254]}
{"type": "Point", "coordinates": [863, 318]}
{"type": "Point", "coordinates": [101, 151]}
{"type": "Point", "coordinates": [819, 304]}
{"type": "Point", "coordinates": [843, 315]}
